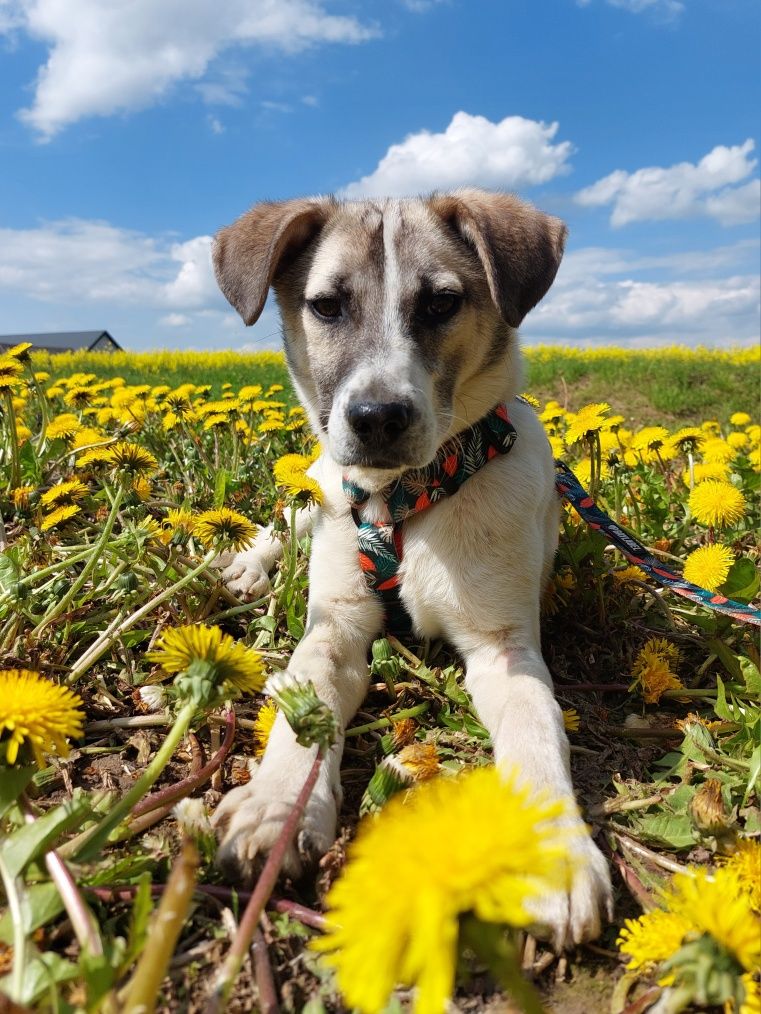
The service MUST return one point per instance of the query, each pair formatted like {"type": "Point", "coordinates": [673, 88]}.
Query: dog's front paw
{"type": "Point", "coordinates": [244, 574]}
{"type": "Point", "coordinates": [250, 818]}
{"type": "Point", "coordinates": [571, 918]}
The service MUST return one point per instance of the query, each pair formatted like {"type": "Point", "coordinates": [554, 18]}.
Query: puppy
{"type": "Point", "coordinates": [399, 326]}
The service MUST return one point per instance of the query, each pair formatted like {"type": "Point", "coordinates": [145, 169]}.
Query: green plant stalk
{"type": "Point", "coordinates": [141, 993]}
{"type": "Point", "coordinates": [60, 607]}
{"type": "Point", "coordinates": [260, 896]}
{"type": "Point", "coordinates": [15, 463]}
{"type": "Point", "coordinates": [13, 887]}
{"type": "Point", "coordinates": [383, 723]}
{"type": "Point", "coordinates": [501, 955]}
{"type": "Point", "coordinates": [85, 845]}
{"type": "Point", "coordinates": [119, 626]}
{"type": "Point", "coordinates": [82, 921]}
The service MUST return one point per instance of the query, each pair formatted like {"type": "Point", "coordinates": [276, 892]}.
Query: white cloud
{"type": "Point", "coordinates": [75, 261]}
{"type": "Point", "coordinates": [175, 320]}
{"type": "Point", "coordinates": [515, 152]}
{"type": "Point", "coordinates": [127, 54]}
{"type": "Point", "coordinates": [662, 10]}
{"type": "Point", "coordinates": [684, 190]}
{"type": "Point", "coordinates": [682, 298]}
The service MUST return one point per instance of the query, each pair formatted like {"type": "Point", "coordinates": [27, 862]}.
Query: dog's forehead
{"type": "Point", "coordinates": [367, 241]}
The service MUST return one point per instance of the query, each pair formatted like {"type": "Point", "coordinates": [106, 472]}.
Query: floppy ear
{"type": "Point", "coordinates": [519, 247]}
{"type": "Point", "coordinates": [248, 254]}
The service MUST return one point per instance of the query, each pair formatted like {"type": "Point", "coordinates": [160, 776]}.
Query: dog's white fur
{"type": "Point", "coordinates": [473, 570]}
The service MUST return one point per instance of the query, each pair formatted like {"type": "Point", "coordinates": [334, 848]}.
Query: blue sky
{"type": "Point", "coordinates": [131, 130]}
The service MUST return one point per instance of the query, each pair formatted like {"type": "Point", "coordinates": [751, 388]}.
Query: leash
{"type": "Point", "coordinates": [569, 487]}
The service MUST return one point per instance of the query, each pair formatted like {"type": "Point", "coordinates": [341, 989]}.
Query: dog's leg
{"type": "Point", "coordinates": [344, 617]}
{"type": "Point", "coordinates": [246, 574]}
{"type": "Point", "coordinates": [512, 692]}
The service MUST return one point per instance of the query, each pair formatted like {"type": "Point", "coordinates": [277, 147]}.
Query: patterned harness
{"type": "Point", "coordinates": [380, 517]}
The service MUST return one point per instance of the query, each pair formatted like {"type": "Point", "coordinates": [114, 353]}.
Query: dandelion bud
{"type": "Point", "coordinates": [708, 811]}
{"type": "Point", "coordinates": [417, 762]}
{"type": "Point", "coordinates": [384, 663]}
{"type": "Point", "coordinates": [310, 718]}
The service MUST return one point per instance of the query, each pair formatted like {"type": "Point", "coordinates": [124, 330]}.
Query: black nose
{"type": "Point", "coordinates": [377, 423]}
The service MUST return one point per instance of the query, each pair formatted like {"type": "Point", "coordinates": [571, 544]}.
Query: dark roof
{"type": "Point", "coordinates": [59, 339]}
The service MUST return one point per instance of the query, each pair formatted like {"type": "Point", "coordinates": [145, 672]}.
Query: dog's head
{"type": "Point", "coordinates": [399, 315]}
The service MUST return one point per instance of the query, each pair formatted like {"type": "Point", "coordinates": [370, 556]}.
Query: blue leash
{"type": "Point", "coordinates": [569, 487]}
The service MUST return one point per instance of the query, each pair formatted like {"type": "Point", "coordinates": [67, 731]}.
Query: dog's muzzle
{"type": "Point", "coordinates": [379, 426]}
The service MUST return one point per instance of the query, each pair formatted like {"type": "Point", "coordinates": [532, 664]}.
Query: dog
{"type": "Point", "coordinates": [400, 321]}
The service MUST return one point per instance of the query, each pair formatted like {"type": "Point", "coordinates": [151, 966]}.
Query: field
{"type": "Point", "coordinates": [122, 477]}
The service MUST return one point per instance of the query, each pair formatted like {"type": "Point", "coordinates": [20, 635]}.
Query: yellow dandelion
{"type": "Point", "coordinates": [79, 397]}
{"type": "Point", "coordinates": [740, 419]}
{"type": "Point", "coordinates": [717, 449]}
{"type": "Point", "coordinates": [583, 470]}
{"type": "Point", "coordinates": [745, 865]}
{"type": "Point", "coordinates": [556, 446]}
{"type": "Point", "coordinates": [63, 427]}
{"type": "Point", "coordinates": [10, 373]}
{"type": "Point", "coordinates": [689, 438]}
{"type": "Point", "coordinates": [614, 423]}
{"type": "Point", "coordinates": [224, 528]}
{"type": "Point", "coordinates": [93, 456]}
{"type": "Point", "coordinates": [553, 413]}
{"type": "Point", "coordinates": [709, 566]}
{"type": "Point", "coordinates": [707, 470]}
{"type": "Point", "coordinates": [714, 905]}
{"type": "Point", "coordinates": [131, 458]}
{"type": "Point", "coordinates": [754, 433]}
{"type": "Point", "coordinates": [21, 353]}
{"type": "Point", "coordinates": [652, 442]}
{"type": "Point", "coordinates": [54, 391]}
{"type": "Point", "coordinates": [142, 487]}
{"type": "Point", "coordinates": [20, 496]}
{"type": "Point", "coordinates": [751, 1003]}
{"type": "Point", "coordinates": [178, 523]}
{"type": "Point", "coordinates": [270, 426]}
{"type": "Point", "coordinates": [589, 419]}
{"type": "Point", "coordinates": [627, 574]}
{"type": "Point", "coordinates": [59, 516]}
{"type": "Point", "coordinates": [711, 426]}
{"type": "Point", "coordinates": [36, 713]}
{"type": "Point", "coordinates": [263, 723]}
{"type": "Point", "coordinates": [217, 419]}
{"type": "Point", "coordinates": [249, 392]}
{"type": "Point", "coordinates": [716, 503]}
{"type": "Point", "coordinates": [653, 672]}
{"type": "Point", "coordinates": [532, 401]}
{"type": "Point", "coordinates": [273, 389]}
{"type": "Point", "coordinates": [41, 376]}
{"type": "Point", "coordinates": [71, 491]}
{"type": "Point", "coordinates": [290, 474]}
{"type": "Point", "coordinates": [229, 661]}
{"type": "Point", "coordinates": [443, 860]}
{"type": "Point", "coordinates": [738, 441]}
{"type": "Point", "coordinates": [652, 938]}
{"type": "Point", "coordinates": [571, 720]}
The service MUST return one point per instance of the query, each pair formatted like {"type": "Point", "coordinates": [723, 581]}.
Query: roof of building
{"type": "Point", "coordinates": [59, 339]}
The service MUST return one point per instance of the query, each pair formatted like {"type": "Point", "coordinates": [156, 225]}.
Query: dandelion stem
{"type": "Point", "coordinates": [13, 887]}
{"type": "Point", "coordinates": [260, 896]}
{"type": "Point", "coordinates": [142, 991]}
{"type": "Point", "coordinates": [86, 844]}
{"type": "Point", "coordinates": [115, 630]}
{"type": "Point", "coordinates": [82, 920]}
{"type": "Point", "coordinates": [383, 723]}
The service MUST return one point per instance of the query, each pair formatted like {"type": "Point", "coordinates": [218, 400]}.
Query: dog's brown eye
{"type": "Point", "coordinates": [443, 304]}
{"type": "Point", "coordinates": [326, 306]}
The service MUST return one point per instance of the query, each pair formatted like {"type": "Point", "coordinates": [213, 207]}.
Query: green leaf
{"type": "Point", "coordinates": [40, 904]}
{"type": "Point", "coordinates": [98, 975]}
{"type": "Point", "coordinates": [751, 676]}
{"type": "Point", "coordinates": [721, 708]}
{"type": "Point", "coordinates": [142, 906]}
{"type": "Point", "coordinates": [220, 487]}
{"type": "Point", "coordinates": [743, 580]}
{"type": "Point", "coordinates": [673, 831]}
{"type": "Point", "coordinates": [29, 841]}
{"type": "Point", "coordinates": [43, 974]}
{"type": "Point", "coordinates": [12, 784]}
{"type": "Point", "coordinates": [10, 573]}
{"type": "Point", "coordinates": [728, 659]}
{"type": "Point", "coordinates": [753, 776]}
